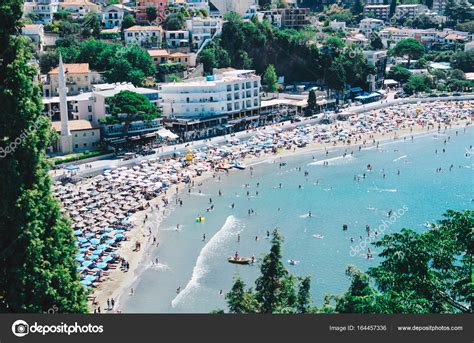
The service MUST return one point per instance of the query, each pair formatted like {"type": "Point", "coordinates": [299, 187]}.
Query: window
{"type": "Point", "coordinates": [90, 117]}
{"type": "Point", "coordinates": [248, 94]}
{"type": "Point", "coordinates": [76, 146]}
{"type": "Point", "coordinates": [236, 95]}
{"type": "Point", "coordinates": [247, 85]}
{"type": "Point", "coordinates": [229, 88]}
{"type": "Point", "coordinates": [85, 144]}
{"type": "Point", "coordinates": [255, 102]}
{"type": "Point", "coordinates": [229, 96]}
{"type": "Point", "coordinates": [255, 83]}
{"type": "Point", "coordinates": [236, 106]}
{"type": "Point", "coordinates": [92, 133]}
{"type": "Point", "coordinates": [236, 87]}
{"type": "Point", "coordinates": [84, 134]}
{"type": "Point", "coordinates": [255, 92]}
{"type": "Point", "coordinates": [75, 135]}
{"type": "Point", "coordinates": [248, 104]}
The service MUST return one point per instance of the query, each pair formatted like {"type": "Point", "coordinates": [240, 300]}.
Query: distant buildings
{"type": "Point", "coordinates": [145, 36]}
{"type": "Point", "coordinates": [161, 56]}
{"type": "Point", "coordinates": [469, 46]}
{"type": "Point", "coordinates": [238, 6]}
{"type": "Point", "coordinates": [290, 18]}
{"type": "Point", "coordinates": [439, 6]}
{"type": "Point", "coordinates": [142, 5]}
{"type": "Point", "coordinates": [202, 30]}
{"type": "Point", "coordinates": [84, 136]}
{"type": "Point", "coordinates": [428, 37]}
{"type": "Point", "coordinates": [369, 25]}
{"type": "Point", "coordinates": [177, 39]}
{"type": "Point", "coordinates": [79, 8]}
{"type": "Point", "coordinates": [198, 107]}
{"type": "Point", "coordinates": [378, 59]}
{"type": "Point", "coordinates": [36, 33]}
{"type": "Point", "coordinates": [79, 78]}
{"type": "Point", "coordinates": [377, 11]}
{"type": "Point", "coordinates": [42, 11]}
{"type": "Point", "coordinates": [410, 11]}
{"type": "Point", "coordinates": [112, 15]}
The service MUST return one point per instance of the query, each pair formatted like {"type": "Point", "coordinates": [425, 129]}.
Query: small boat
{"type": "Point", "coordinates": [293, 262]}
{"type": "Point", "coordinates": [318, 236]}
{"type": "Point", "coordinates": [239, 165]}
{"type": "Point", "coordinates": [240, 260]}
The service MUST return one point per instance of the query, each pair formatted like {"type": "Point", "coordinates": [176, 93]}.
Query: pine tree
{"type": "Point", "coordinates": [270, 79]}
{"type": "Point", "coordinates": [311, 101]}
{"type": "Point", "coordinates": [37, 268]}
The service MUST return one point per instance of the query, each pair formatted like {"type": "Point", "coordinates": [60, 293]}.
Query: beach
{"type": "Point", "coordinates": [340, 136]}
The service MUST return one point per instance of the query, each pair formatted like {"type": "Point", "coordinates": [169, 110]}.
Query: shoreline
{"type": "Point", "coordinates": [119, 283]}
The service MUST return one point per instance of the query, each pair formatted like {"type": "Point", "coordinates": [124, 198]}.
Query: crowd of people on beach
{"type": "Point", "coordinates": [102, 208]}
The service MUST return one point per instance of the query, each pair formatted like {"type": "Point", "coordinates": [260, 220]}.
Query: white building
{"type": "Point", "coordinates": [439, 6]}
{"type": "Point", "coordinates": [377, 11]}
{"type": "Point", "coordinates": [227, 92]}
{"type": "Point", "coordinates": [36, 33]}
{"type": "Point", "coordinates": [410, 11]}
{"type": "Point", "coordinates": [369, 25]}
{"type": "Point", "coordinates": [238, 6]}
{"type": "Point", "coordinates": [392, 35]}
{"type": "Point", "coordinates": [375, 2]}
{"type": "Point", "coordinates": [337, 25]}
{"type": "Point", "coordinates": [112, 15]}
{"type": "Point", "coordinates": [42, 10]}
{"type": "Point", "coordinates": [146, 36]}
{"type": "Point", "coordinates": [469, 46]}
{"type": "Point", "coordinates": [79, 8]}
{"type": "Point", "coordinates": [198, 4]}
{"type": "Point", "coordinates": [92, 106]}
{"type": "Point", "coordinates": [177, 39]}
{"type": "Point", "coordinates": [202, 29]}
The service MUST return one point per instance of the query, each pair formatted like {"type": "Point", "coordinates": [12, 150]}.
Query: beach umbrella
{"type": "Point", "coordinates": [107, 258]}
{"type": "Point", "coordinates": [119, 235]}
{"type": "Point", "coordinates": [83, 249]}
{"type": "Point", "coordinates": [82, 239]}
{"type": "Point", "coordinates": [89, 235]}
{"type": "Point", "coordinates": [95, 241]}
{"type": "Point", "coordinates": [77, 232]}
{"type": "Point", "coordinates": [102, 265]}
{"type": "Point", "coordinates": [94, 257]}
{"type": "Point", "coordinates": [98, 251]}
{"type": "Point", "coordinates": [102, 246]}
{"type": "Point", "coordinates": [86, 282]}
{"type": "Point", "coordinates": [110, 241]}
{"type": "Point", "coordinates": [86, 244]}
{"type": "Point", "coordinates": [86, 263]}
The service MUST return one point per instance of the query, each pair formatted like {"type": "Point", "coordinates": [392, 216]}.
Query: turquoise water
{"type": "Point", "coordinates": [417, 195]}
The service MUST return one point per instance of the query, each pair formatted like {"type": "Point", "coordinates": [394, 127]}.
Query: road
{"type": "Point", "coordinates": [100, 165]}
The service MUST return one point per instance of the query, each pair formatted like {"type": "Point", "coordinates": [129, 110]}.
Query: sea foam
{"type": "Point", "coordinates": [208, 253]}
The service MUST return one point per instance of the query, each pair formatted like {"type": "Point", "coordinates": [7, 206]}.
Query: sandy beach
{"type": "Point", "coordinates": [119, 283]}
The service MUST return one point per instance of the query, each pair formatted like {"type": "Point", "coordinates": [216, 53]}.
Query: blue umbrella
{"type": "Point", "coordinates": [90, 277]}
{"type": "Point", "coordinates": [102, 246]}
{"type": "Point", "coordinates": [110, 241]}
{"type": "Point", "coordinates": [98, 251]}
{"type": "Point", "coordinates": [86, 263]}
{"type": "Point", "coordinates": [79, 259]}
{"type": "Point", "coordinates": [71, 167]}
{"type": "Point", "coordinates": [80, 268]}
{"type": "Point", "coordinates": [105, 234]}
{"type": "Point", "coordinates": [109, 229]}
{"type": "Point", "coordinates": [119, 236]}
{"type": "Point", "coordinates": [90, 234]}
{"type": "Point", "coordinates": [102, 265]}
{"type": "Point", "coordinates": [94, 257]}
{"type": "Point", "coordinates": [77, 232]}
{"type": "Point", "coordinates": [82, 239]}
{"type": "Point", "coordinates": [86, 282]}
{"type": "Point", "coordinates": [125, 222]}
{"type": "Point", "coordinates": [86, 244]}
{"type": "Point", "coordinates": [95, 241]}
{"type": "Point", "coordinates": [83, 249]}
{"type": "Point", "coordinates": [119, 231]}
{"type": "Point", "coordinates": [107, 258]}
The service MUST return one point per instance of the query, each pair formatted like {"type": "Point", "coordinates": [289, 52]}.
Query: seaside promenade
{"type": "Point", "coordinates": [100, 165]}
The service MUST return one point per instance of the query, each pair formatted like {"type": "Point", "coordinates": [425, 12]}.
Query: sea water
{"type": "Point", "coordinates": [336, 194]}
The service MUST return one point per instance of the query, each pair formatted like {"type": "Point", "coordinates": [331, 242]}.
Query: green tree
{"type": "Point", "coordinates": [270, 79]}
{"type": "Point", "coordinates": [399, 73]}
{"type": "Point", "coordinates": [463, 61]}
{"type": "Point", "coordinates": [151, 14]}
{"type": "Point", "coordinates": [127, 107]}
{"type": "Point", "coordinates": [240, 300]}
{"type": "Point", "coordinates": [174, 21]}
{"type": "Point", "coordinates": [418, 83]}
{"type": "Point", "coordinates": [376, 42]}
{"type": "Point", "coordinates": [393, 7]}
{"type": "Point", "coordinates": [357, 10]}
{"type": "Point", "coordinates": [91, 25]}
{"type": "Point", "coordinates": [276, 290]}
{"type": "Point", "coordinates": [409, 47]}
{"type": "Point", "coordinates": [429, 272]}
{"type": "Point", "coordinates": [335, 77]}
{"type": "Point", "coordinates": [37, 268]}
{"type": "Point", "coordinates": [311, 101]}
{"type": "Point", "coordinates": [128, 21]}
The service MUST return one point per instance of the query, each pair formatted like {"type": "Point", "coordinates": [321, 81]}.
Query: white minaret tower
{"type": "Point", "coordinates": [66, 137]}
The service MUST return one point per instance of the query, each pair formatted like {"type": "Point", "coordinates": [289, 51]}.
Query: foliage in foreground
{"type": "Point", "coordinates": [276, 290]}
{"type": "Point", "coordinates": [429, 272]}
{"type": "Point", "coordinates": [37, 268]}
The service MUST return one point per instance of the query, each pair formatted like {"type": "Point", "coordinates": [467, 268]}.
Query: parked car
{"type": "Point", "coordinates": [457, 94]}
